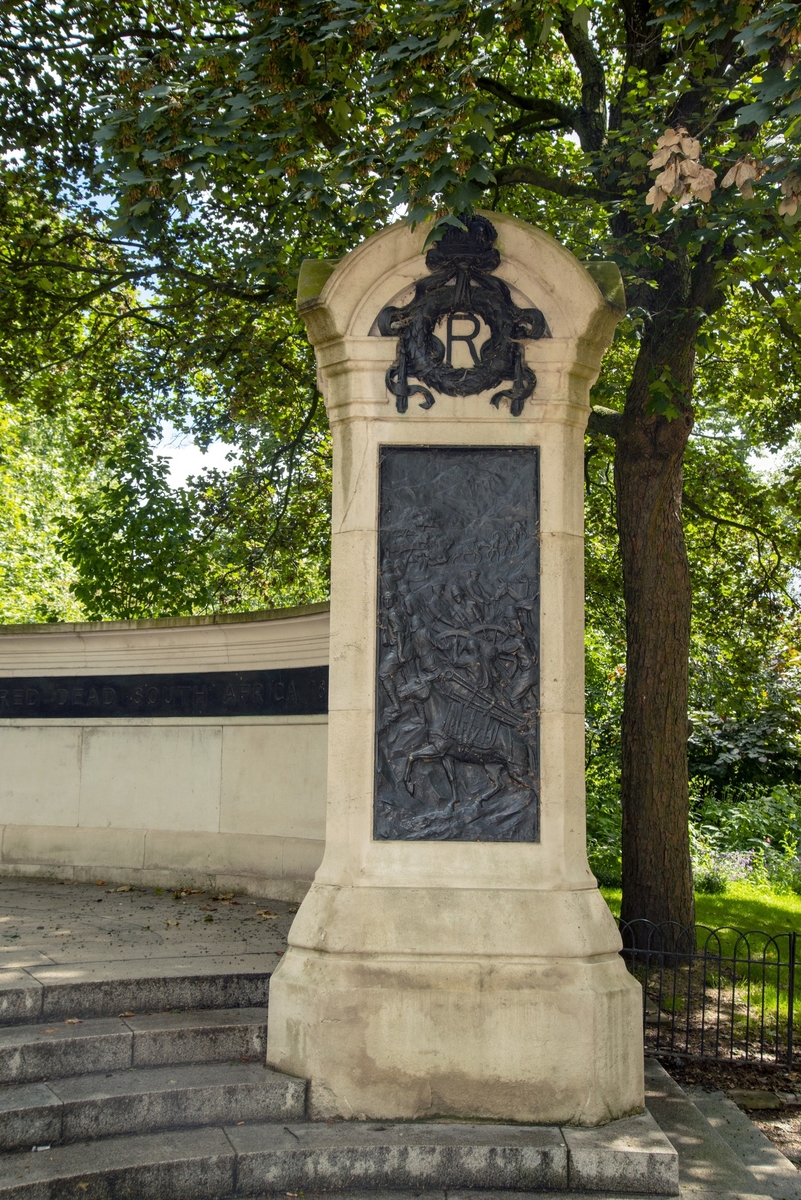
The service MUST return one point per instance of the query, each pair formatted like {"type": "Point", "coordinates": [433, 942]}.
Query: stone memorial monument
{"type": "Point", "coordinates": [454, 957]}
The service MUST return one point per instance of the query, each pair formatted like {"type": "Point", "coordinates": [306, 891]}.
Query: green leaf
{"type": "Point", "coordinates": [581, 18]}
{"type": "Point", "coordinates": [754, 113]}
{"type": "Point", "coordinates": [449, 39]}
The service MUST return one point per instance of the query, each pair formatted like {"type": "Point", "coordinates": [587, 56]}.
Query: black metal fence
{"type": "Point", "coordinates": [723, 994]}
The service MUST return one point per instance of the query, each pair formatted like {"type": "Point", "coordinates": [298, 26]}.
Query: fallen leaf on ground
{"type": "Point", "coordinates": [224, 896]}
{"type": "Point", "coordinates": [179, 895]}
{"type": "Point", "coordinates": [73, 1021]}
{"type": "Point", "coordinates": [262, 912]}
{"type": "Point", "coordinates": [100, 882]}
{"type": "Point", "coordinates": [126, 887]}
{"type": "Point", "coordinates": [129, 1014]}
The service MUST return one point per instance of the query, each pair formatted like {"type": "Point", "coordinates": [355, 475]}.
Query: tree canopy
{"type": "Point", "coordinates": [203, 148]}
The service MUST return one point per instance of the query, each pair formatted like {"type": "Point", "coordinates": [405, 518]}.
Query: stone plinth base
{"type": "Point", "coordinates": [626, 1156]}
{"type": "Point", "coordinates": [448, 1012]}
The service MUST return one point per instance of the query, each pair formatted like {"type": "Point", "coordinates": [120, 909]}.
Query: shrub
{"type": "Point", "coordinates": [711, 883]}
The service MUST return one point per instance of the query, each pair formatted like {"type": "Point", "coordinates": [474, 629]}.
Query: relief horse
{"type": "Point", "coordinates": [462, 726]}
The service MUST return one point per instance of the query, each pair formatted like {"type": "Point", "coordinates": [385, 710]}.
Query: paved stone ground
{"type": "Point", "coordinates": [77, 931]}
{"type": "Point", "coordinates": [51, 932]}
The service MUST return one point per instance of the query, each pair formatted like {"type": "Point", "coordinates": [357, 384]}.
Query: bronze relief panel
{"type": "Point", "coordinates": [457, 688]}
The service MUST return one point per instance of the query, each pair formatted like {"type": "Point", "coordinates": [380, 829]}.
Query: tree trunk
{"type": "Point", "coordinates": [657, 873]}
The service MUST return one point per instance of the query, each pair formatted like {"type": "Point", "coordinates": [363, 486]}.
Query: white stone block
{"type": "Point", "coordinates": [152, 777]}
{"type": "Point", "coordinates": [274, 779]}
{"type": "Point", "coordinates": [47, 844]}
{"type": "Point", "coordinates": [39, 775]}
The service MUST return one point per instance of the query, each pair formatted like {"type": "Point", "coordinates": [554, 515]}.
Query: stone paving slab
{"type": "Point", "coordinates": [285, 1157]}
{"type": "Point", "coordinates": [30, 1115]}
{"type": "Point", "coordinates": [134, 947]}
{"type": "Point", "coordinates": [765, 1161]}
{"type": "Point", "coordinates": [34, 1052]}
{"type": "Point", "coordinates": [174, 1037]}
{"type": "Point", "coordinates": [707, 1163]}
{"type": "Point", "coordinates": [632, 1155]}
{"type": "Point", "coordinates": [45, 924]}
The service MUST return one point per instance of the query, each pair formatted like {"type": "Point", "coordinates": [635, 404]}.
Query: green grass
{"type": "Point", "coordinates": [744, 905]}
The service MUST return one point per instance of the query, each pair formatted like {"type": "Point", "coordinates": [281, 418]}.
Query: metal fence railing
{"type": "Point", "coordinates": [723, 994]}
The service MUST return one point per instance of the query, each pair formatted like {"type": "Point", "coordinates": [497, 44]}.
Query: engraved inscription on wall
{"type": "Point", "coordinates": [457, 688]}
{"type": "Point", "coordinates": [287, 692]}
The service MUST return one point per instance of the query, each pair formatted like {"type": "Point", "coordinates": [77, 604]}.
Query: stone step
{"type": "Point", "coordinates": [250, 1159]}
{"type": "Point", "coordinates": [144, 1100]}
{"type": "Point", "coordinates": [31, 1053]}
{"type": "Point", "coordinates": [631, 1155]}
{"type": "Point", "coordinates": [347, 1155]}
{"type": "Point", "coordinates": [200, 1163]}
{"type": "Point", "coordinates": [24, 1000]}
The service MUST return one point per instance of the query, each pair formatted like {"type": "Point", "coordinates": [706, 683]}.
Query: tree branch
{"type": "Point", "coordinates": [547, 110]}
{"type": "Point", "coordinates": [757, 534]}
{"type": "Point", "coordinates": [530, 124]}
{"type": "Point", "coordinates": [604, 422]}
{"type": "Point", "coordinates": [590, 119]}
{"type": "Point", "coordinates": [522, 173]}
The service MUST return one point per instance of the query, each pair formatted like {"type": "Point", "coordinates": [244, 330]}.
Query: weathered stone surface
{"type": "Point", "coordinates": [212, 1036]}
{"type": "Point", "coordinates": [755, 1099]}
{"type": "Point", "coordinates": [350, 1155]}
{"type": "Point", "coordinates": [175, 1097]}
{"type": "Point", "coordinates": [706, 1162]}
{"type": "Point", "coordinates": [196, 1163]}
{"type": "Point", "coordinates": [145, 1099]}
{"type": "Point", "coordinates": [20, 997]}
{"type": "Point", "coordinates": [772, 1170]}
{"type": "Point", "coordinates": [30, 1115]}
{"type": "Point", "coordinates": [62, 1048]}
{"type": "Point", "coordinates": [631, 1155]}
{"type": "Point", "coordinates": [104, 997]}
{"type": "Point", "coordinates": [30, 1052]}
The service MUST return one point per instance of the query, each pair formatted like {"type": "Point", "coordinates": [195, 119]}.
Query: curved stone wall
{"type": "Point", "coordinates": [233, 801]}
